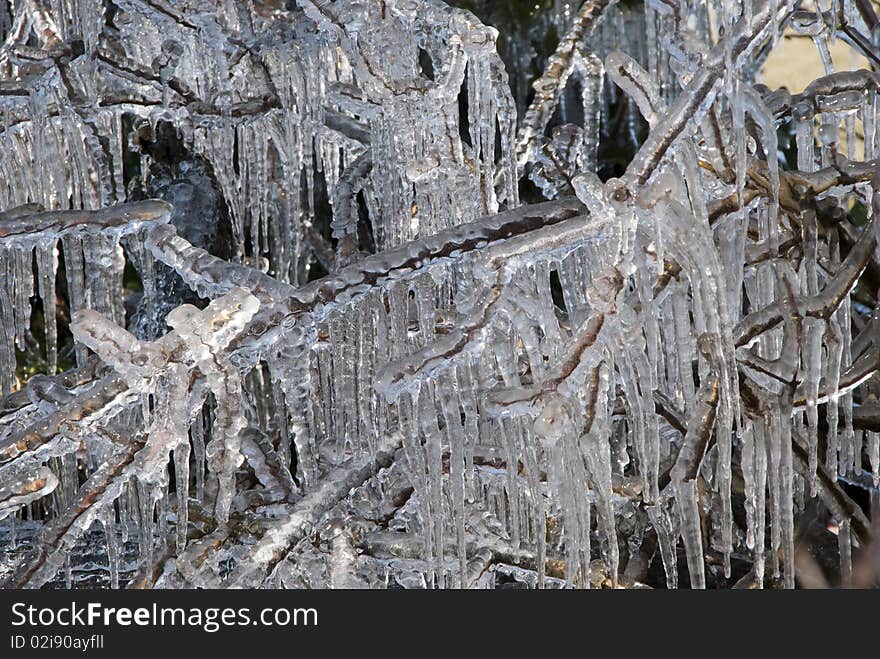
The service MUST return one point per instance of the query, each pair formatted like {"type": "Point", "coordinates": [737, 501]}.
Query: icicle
{"type": "Point", "coordinates": [874, 456]}
{"type": "Point", "coordinates": [456, 440]}
{"type": "Point", "coordinates": [685, 474]}
{"type": "Point", "coordinates": [103, 277]}
{"type": "Point", "coordinates": [76, 281]}
{"type": "Point", "coordinates": [760, 501]}
{"type": "Point", "coordinates": [108, 521]}
{"type": "Point", "coordinates": [667, 537]}
{"type": "Point", "coordinates": [536, 493]}
{"type": "Point", "coordinates": [813, 329]}
{"type": "Point", "coordinates": [765, 120]}
{"type": "Point", "coordinates": [834, 346]}
{"type": "Point", "coordinates": [821, 44]}
{"type": "Point", "coordinates": [427, 424]}
{"type": "Point", "coordinates": [802, 113]}
{"type": "Point", "coordinates": [146, 525]}
{"type": "Point", "coordinates": [7, 342]}
{"type": "Point", "coordinates": [591, 99]}
{"type": "Point", "coordinates": [47, 266]}
{"type": "Point", "coordinates": [684, 347]}
{"type": "Point", "coordinates": [687, 503]}
{"type": "Point", "coordinates": [786, 492]}
{"type": "Point", "coordinates": [853, 465]}
{"type": "Point", "coordinates": [181, 483]}
{"type": "Point", "coordinates": [143, 262]}
{"type": "Point", "coordinates": [598, 452]}
{"type": "Point", "coordinates": [23, 287]}
{"type": "Point", "coordinates": [774, 471]}
{"type": "Point", "coordinates": [554, 428]}
{"type": "Point", "coordinates": [844, 540]}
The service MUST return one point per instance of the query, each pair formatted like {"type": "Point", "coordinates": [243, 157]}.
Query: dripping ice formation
{"type": "Point", "coordinates": [320, 294]}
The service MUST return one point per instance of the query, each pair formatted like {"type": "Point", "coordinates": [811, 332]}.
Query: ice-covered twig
{"type": "Point", "coordinates": [196, 346]}
{"type": "Point", "coordinates": [796, 189]}
{"type": "Point", "coordinates": [284, 533]}
{"type": "Point", "coordinates": [107, 391]}
{"type": "Point", "coordinates": [697, 97]}
{"type": "Point", "coordinates": [446, 347]}
{"type": "Point", "coordinates": [345, 214]}
{"type": "Point", "coordinates": [445, 245]}
{"type": "Point", "coordinates": [266, 463]}
{"type": "Point", "coordinates": [867, 417]}
{"type": "Point", "coordinates": [25, 488]}
{"type": "Point", "coordinates": [699, 431]}
{"type": "Point", "coordinates": [44, 23]}
{"type": "Point", "coordinates": [860, 371]}
{"type": "Point", "coordinates": [817, 306]}
{"type": "Point", "coordinates": [582, 348]}
{"type": "Point", "coordinates": [209, 275]}
{"type": "Point", "coordinates": [833, 495]}
{"type": "Point", "coordinates": [212, 276]}
{"type": "Point", "coordinates": [684, 476]}
{"type": "Point", "coordinates": [58, 537]}
{"type": "Point", "coordinates": [345, 125]}
{"type": "Point", "coordinates": [784, 368]}
{"type": "Point", "coordinates": [825, 93]}
{"type": "Point", "coordinates": [70, 379]}
{"type": "Point", "coordinates": [385, 544]}
{"type": "Point", "coordinates": [551, 84]}
{"type": "Point", "coordinates": [16, 223]}
{"type": "Point", "coordinates": [634, 80]}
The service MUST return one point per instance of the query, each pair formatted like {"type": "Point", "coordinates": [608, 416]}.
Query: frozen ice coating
{"type": "Point", "coordinates": [382, 294]}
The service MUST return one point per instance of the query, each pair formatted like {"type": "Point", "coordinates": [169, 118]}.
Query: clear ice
{"type": "Point", "coordinates": [333, 294]}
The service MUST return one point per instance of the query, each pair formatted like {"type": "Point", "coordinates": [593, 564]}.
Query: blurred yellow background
{"type": "Point", "coordinates": [795, 62]}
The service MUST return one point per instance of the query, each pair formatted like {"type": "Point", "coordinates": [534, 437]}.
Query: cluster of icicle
{"type": "Point", "coordinates": [500, 392]}
{"type": "Point", "coordinates": [271, 99]}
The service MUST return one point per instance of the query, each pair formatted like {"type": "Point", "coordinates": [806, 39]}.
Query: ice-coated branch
{"type": "Point", "coordinates": [345, 125]}
{"type": "Point", "coordinates": [197, 333]}
{"type": "Point", "coordinates": [52, 387]}
{"type": "Point", "coordinates": [818, 306]}
{"type": "Point", "coordinates": [784, 368]}
{"type": "Point", "coordinates": [345, 213]}
{"type": "Point", "coordinates": [195, 347]}
{"type": "Point", "coordinates": [551, 84]}
{"type": "Point", "coordinates": [209, 275]}
{"type": "Point", "coordinates": [108, 391]}
{"type": "Point", "coordinates": [634, 80]}
{"type": "Point", "coordinates": [29, 220]}
{"type": "Point", "coordinates": [698, 95]}
{"type": "Point", "coordinates": [446, 245]}
{"type": "Point", "coordinates": [385, 544]}
{"type": "Point", "coordinates": [473, 392]}
{"type": "Point", "coordinates": [833, 495]}
{"type": "Point", "coordinates": [41, 17]}
{"type": "Point", "coordinates": [196, 342]}
{"type": "Point", "coordinates": [582, 348]}
{"type": "Point", "coordinates": [284, 533]}
{"type": "Point", "coordinates": [212, 276]}
{"type": "Point", "coordinates": [59, 536]}
{"type": "Point", "coordinates": [859, 372]}
{"type": "Point", "coordinates": [831, 93]}
{"type": "Point", "coordinates": [24, 488]}
{"type": "Point", "coordinates": [266, 463]}
{"type": "Point", "coordinates": [699, 431]}
{"type": "Point", "coordinates": [444, 349]}
{"type": "Point", "coordinates": [796, 189]}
